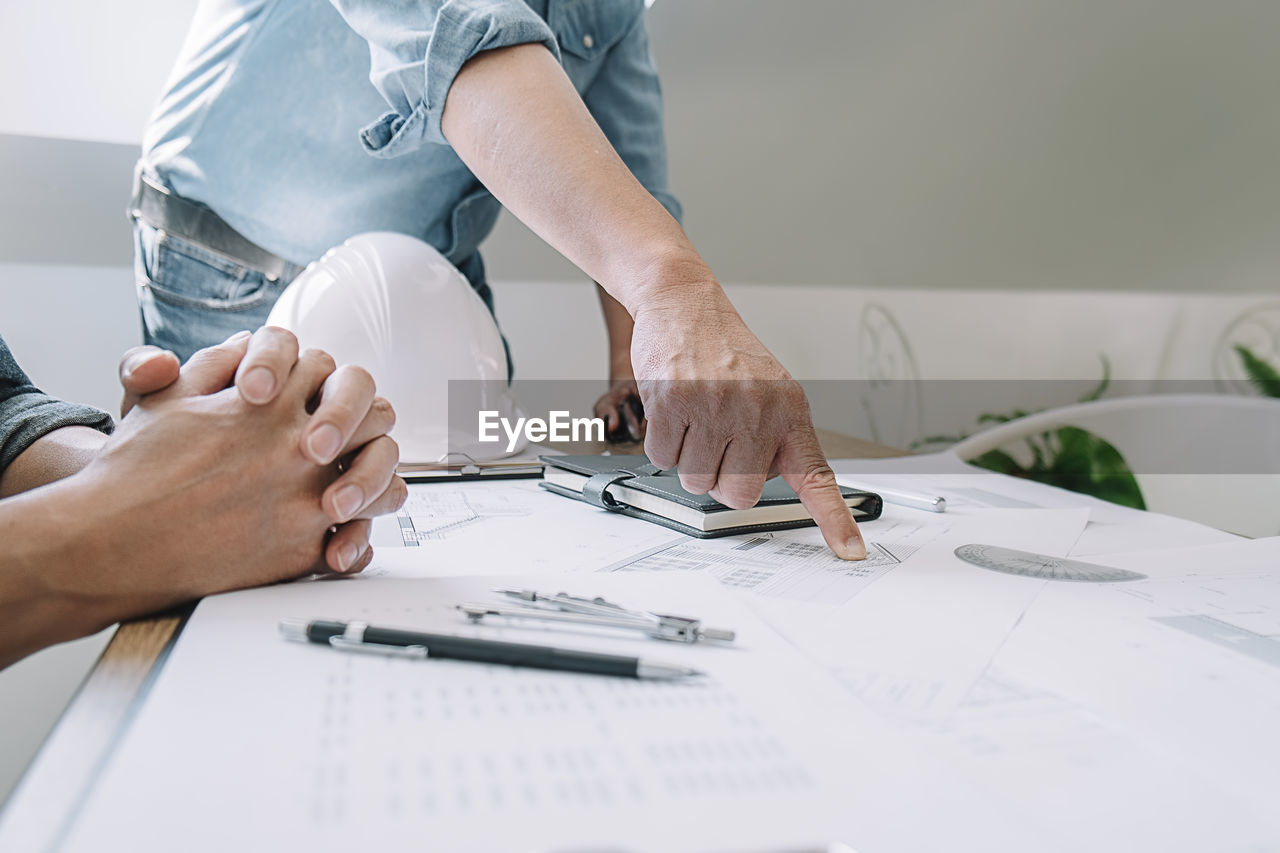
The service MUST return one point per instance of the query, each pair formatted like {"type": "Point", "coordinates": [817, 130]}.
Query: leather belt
{"type": "Point", "coordinates": [198, 224]}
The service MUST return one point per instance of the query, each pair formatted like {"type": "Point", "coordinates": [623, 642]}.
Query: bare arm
{"type": "Point", "coordinates": [719, 404]}
{"type": "Point", "coordinates": [51, 457]}
{"type": "Point", "coordinates": [512, 108]}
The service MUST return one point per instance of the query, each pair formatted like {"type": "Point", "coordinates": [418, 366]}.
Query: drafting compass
{"type": "Point", "coordinates": [568, 609]}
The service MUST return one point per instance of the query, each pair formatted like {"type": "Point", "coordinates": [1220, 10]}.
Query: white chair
{"type": "Point", "coordinates": [1206, 457]}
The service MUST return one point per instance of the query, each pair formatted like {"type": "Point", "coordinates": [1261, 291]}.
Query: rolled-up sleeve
{"type": "Point", "coordinates": [27, 414]}
{"type": "Point", "coordinates": [626, 101]}
{"type": "Point", "coordinates": [416, 49]}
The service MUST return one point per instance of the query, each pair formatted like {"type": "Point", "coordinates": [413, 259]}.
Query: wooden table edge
{"type": "Point", "coordinates": [61, 773]}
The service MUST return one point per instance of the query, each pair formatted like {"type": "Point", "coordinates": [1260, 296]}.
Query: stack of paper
{"type": "Point", "coordinates": [248, 741]}
{"type": "Point", "coordinates": [912, 702]}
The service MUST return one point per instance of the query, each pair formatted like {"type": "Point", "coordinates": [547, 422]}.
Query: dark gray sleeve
{"type": "Point", "coordinates": [27, 413]}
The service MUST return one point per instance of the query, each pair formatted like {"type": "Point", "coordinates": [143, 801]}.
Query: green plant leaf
{"type": "Point", "coordinates": [1043, 452]}
{"type": "Point", "coordinates": [1089, 464]}
{"type": "Point", "coordinates": [995, 418]}
{"type": "Point", "coordinates": [930, 440]}
{"type": "Point", "coordinates": [1000, 462]}
{"type": "Point", "coordinates": [1076, 459]}
{"type": "Point", "coordinates": [1263, 376]}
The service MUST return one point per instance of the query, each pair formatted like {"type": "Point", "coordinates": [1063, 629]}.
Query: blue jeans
{"type": "Point", "coordinates": [191, 297]}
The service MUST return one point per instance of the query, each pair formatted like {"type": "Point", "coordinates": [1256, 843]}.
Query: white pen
{"type": "Point", "coordinates": [915, 500]}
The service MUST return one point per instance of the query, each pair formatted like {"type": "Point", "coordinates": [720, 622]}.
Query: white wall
{"type": "Point", "coordinates": [83, 70]}
{"type": "Point", "coordinates": [1007, 144]}
{"type": "Point", "coordinates": [1105, 144]}
{"type": "Point", "coordinates": [68, 325]}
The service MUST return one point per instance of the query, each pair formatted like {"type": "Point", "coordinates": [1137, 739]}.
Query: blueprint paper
{"type": "Point", "coordinates": [508, 527]}
{"type": "Point", "coordinates": [1186, 661]}
{"type": "Point", "coordinates": [1114, 716]}
{"type": "Point", "coordinates": [916, 641]}
{"type": "Point", "coordinates": [1017, 767]}
{"type": "Point", "coordinates": [795, 565]}
{"type": "Point", "coordinates": [1017, 713]}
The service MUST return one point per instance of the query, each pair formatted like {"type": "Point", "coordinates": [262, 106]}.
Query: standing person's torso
{"type": "Point", "coordinates": [261, 120]}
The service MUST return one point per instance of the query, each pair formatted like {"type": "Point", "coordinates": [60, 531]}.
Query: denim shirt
{"type": "Point", "coordinates": [302, 123]}
{"type": "Point", "coordinates": [26, 413]}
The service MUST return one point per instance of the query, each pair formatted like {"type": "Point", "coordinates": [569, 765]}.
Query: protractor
{"type": "Point", "coordinates": [1042, 566]}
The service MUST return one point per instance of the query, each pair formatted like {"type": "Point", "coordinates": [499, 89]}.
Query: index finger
{"type": "Point", "coordinates": [803, 466]}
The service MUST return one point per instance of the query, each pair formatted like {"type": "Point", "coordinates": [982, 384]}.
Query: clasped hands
{"type": "Point", "coordinates": [277, 458]}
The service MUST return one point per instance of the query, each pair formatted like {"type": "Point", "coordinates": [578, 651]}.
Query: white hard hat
{"type": "Point", "coordinates": [395, 306]}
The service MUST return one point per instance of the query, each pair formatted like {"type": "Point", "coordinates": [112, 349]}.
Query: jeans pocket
{"type": "Point", "coordinates": [191, 297]}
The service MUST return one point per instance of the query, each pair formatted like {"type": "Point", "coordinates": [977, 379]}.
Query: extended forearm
{"type": "Point", "coordinates": [514, 118]}
{"type": "Point", "coordinates": [516, 121]}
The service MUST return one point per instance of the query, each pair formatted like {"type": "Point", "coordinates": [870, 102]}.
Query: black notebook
{"type": "Point", "coordinates": [631, 485]}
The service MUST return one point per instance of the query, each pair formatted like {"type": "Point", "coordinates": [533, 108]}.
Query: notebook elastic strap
{"type": "Point", "coordinates": [595, 490]}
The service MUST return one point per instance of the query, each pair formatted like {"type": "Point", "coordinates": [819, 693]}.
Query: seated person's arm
{"type": "Point", "coordinates": [199, 491]}
{"type": "Point", "coordinates": [41, 439]}
{"type": "Point", "coordinates": [51, 457]}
